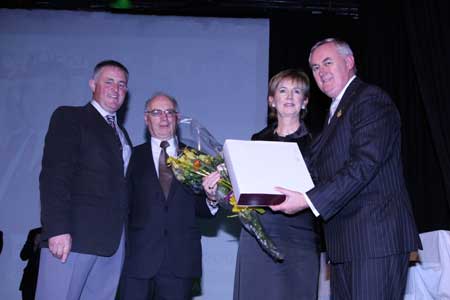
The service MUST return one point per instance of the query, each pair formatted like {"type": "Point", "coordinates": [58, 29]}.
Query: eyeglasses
{"type": "Point", "coordinates": [170, 113]}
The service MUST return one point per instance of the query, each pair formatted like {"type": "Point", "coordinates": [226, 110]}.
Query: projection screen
{"type": "Point", "coordinates": [215, 67]}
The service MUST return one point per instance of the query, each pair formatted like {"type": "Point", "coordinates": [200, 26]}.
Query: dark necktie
{"type": "Point", "coordinates": [112, 122]}
{"type": "Point", "coordinates": [165, 173]}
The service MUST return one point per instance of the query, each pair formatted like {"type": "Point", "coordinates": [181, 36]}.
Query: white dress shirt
{"type": "Point", "coordinates": [171, 151]}
{"type": "Point", "coordinates": [335, 102]}
{"type": "Point", "coordinates": [156, 151]}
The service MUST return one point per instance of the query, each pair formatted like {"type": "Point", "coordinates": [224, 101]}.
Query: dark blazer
{"type": "Point", "coordinates": [361, 193]}
{"type": "Point", "coordinates": [257, 276]}
{"type": "Point", "coordinates": [159, 227]}
{"type": "Point", "coordinates": [301, 228]}
{"type": "Point", "coordinates": [82, 182]}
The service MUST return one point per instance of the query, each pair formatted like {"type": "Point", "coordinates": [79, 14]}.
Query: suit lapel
{"type": "Point", "coordinates": [104, 131]}
{"type": "Point", "coordinates": [125, 133]}
{"type": "Point", "coordinates": [329, 129]}
{"type": "Point", "coordinates": [148, 163]}
{"type": "Point", "coordinates": [174, 184]}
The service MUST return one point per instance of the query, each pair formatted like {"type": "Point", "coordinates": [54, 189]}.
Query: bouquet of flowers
{"type": "Point", "coordinates": [203, 158]}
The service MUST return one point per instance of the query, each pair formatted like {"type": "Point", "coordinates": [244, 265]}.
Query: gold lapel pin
{"type": "Point", "coordinates": [339, 113]}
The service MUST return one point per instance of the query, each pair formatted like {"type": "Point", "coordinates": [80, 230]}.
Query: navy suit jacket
{"type": "Point", "coordinates": [361, 194]}
{"type": "Point", "coordinates": [159, 226]}
{"type": "Point", "coordinates": [82, 183]}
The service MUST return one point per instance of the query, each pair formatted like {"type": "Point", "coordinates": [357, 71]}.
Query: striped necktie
{"type": "Point", "coordinates": [111, 120]}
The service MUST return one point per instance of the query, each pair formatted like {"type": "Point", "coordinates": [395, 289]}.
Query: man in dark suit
{"type": "Point", "coordinates": [361, 195]}
{"type": "Point", "coordinates": [163, 254]}
{"type": "Point", "coordinates": [84, 201]}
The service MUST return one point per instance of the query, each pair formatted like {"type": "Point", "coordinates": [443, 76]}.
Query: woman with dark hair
{"type": "Point", "coordinates": [257, 275]}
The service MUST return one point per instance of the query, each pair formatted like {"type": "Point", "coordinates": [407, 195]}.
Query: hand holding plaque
{"type": "Point", "coordinates": [256, 168]}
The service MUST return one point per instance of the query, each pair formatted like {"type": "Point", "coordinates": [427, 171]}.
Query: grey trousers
{"type": "Point", "coordinates": [81, 277]}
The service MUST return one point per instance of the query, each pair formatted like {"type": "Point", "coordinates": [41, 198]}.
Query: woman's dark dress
{"type": "Point", "coordinates": [257, 275]}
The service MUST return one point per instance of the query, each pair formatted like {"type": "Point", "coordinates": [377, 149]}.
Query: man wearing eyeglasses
{"type": "Point", "coordinates": [164, 250]}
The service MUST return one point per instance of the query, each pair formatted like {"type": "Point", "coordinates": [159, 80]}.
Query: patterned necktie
{"type": "Point", "coordinates": [111, 120]}
{"type": "Point", "coordinates": [165, 173]}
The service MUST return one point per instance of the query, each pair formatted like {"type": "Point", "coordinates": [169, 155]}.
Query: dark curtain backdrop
{"type": "Point", "coordinates": [291, 37]}
{"type": "Point", "coordinates": [403, 47]}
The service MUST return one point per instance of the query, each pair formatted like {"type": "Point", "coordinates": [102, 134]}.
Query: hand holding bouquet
{"type": "Point", "coordinates": [193, 165]}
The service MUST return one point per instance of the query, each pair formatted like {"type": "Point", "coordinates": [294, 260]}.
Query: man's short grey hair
{"type": "Point", "coordinates": [158, 94]}
{"type": "Point", "coordinates": [342, 47]}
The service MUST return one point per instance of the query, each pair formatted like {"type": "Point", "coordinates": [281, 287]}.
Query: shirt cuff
{"type": "Point", "coordinates": [311, 206]}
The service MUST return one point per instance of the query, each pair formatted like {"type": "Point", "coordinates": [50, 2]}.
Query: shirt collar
{"type": "Point", "coordinates": [100, 109]}
{"type": "Point", "coordinates": [300, 132]}
{"type": "Point", "coordinates": [171, 150]}
{"type": "Point", "coordinates": [339, 97]}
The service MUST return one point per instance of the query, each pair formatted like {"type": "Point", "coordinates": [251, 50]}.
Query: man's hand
{"type": "Point", "coordinates": [60, 246]}
{"type": "Point", "coordinates": [294, 202]}
{"type": "Point", "coordinates": [209, 184]}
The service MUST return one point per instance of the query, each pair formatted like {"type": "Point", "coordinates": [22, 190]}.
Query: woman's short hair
{"type": "Point", "coordinates": [298, 77]}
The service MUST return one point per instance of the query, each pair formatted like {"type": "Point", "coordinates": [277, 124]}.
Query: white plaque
{"type": "Point", "coordinates": [257, 167]}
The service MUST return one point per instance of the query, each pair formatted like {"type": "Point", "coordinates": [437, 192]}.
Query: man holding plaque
{"type": "Point", "coordinates": [360, 194]}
